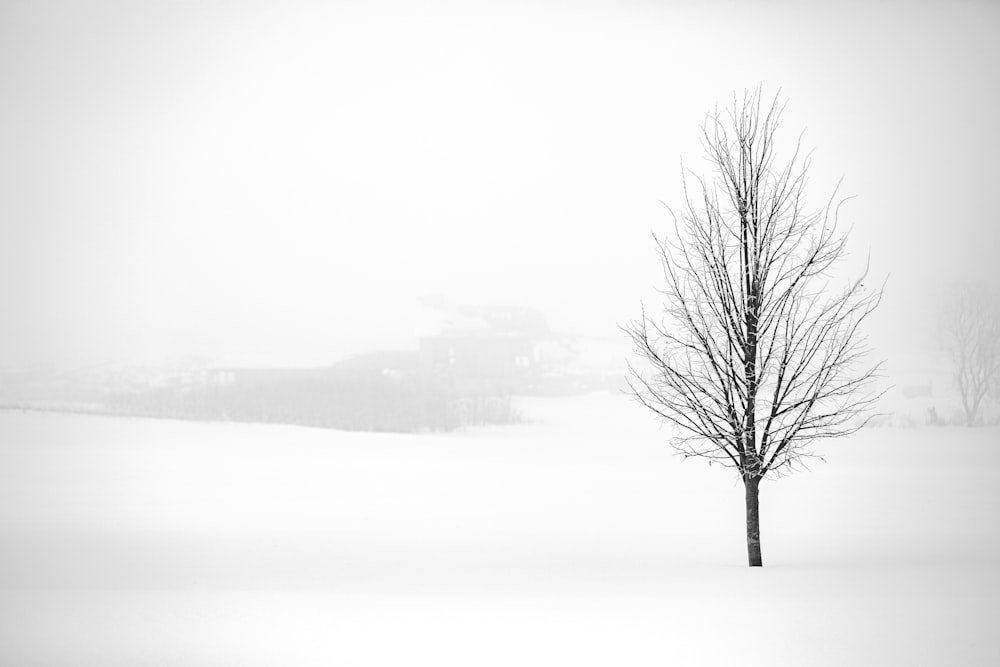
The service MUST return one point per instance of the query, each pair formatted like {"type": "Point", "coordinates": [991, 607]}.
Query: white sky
{"type": "Point", "coordinates": [281, 181]}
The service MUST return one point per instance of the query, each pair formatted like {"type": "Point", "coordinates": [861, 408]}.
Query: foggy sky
{"type": "Point", "coordinates": [282, 181]}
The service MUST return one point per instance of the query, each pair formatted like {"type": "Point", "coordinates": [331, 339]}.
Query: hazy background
{"type": "Point", "coordinates": [280, 181]}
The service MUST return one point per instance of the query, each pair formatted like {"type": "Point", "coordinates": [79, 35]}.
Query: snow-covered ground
{"type": "Point", "coordinates": [576, 539]}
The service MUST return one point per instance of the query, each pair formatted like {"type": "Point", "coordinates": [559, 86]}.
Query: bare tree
{"type": "Point", "coordinates": [756, 355]}
{"type": "Point", "coordinates": [972, 335]}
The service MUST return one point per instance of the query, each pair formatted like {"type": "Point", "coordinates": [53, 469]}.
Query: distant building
{"type": "Point", "coordinates": [481, 349]}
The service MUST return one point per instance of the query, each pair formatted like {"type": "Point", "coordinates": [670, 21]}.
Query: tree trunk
{"type": "Point", "coordinates": [752, 484]}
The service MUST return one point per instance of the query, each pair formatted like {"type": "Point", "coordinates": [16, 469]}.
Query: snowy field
{"type": "Point", "coordinates": [576, 539]}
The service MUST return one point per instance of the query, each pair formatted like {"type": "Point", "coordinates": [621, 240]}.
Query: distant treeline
{"type": "Point", "coordinates": [384, 392]}
{"type": "Point", "coordinates": [354, 402]}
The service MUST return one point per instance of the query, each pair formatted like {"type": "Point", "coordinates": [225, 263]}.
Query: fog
{"type": "Point", "coordinates": [279, 183]}
{"type": "Point", "coordinates": [416, 229]}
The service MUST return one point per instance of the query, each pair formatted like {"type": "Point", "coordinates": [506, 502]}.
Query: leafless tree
{"type": "Point", "coordinates": [972, 335]}
{"type": "Point", "coordinates": [756, 354]}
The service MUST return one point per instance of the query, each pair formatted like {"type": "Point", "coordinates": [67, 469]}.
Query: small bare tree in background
{"type": "Point", "coordinates": [756, 355]}
{"type": "Point", "coordinates": [972, 337]}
